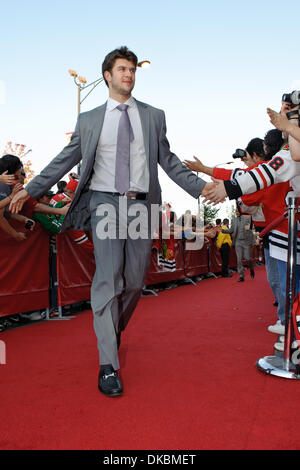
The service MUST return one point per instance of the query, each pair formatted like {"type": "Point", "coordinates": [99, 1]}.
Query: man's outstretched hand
{"type": "Point", "coordinates": [17, 201]}
{"type": "Point", "coordinates": [194, 165]}
{"type": "Point", "coordinates": [214, 192]}
{"type": "Point", "coordinates": [207, 188]}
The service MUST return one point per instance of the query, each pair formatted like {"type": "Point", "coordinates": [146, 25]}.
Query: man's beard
{"type": "Point", "coordinates": [122, 91]}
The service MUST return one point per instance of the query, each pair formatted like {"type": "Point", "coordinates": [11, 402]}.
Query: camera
{"type": "Point", "coordinates": [28, 224]}
{"type": "Point", "coordinates": [295, 114]}
{"type": "Point", "coordinates": [239, 153]}
{"type": "Point", "coordinates": [292, 98]}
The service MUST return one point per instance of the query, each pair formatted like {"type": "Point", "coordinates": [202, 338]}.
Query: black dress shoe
{"type": "Point", "coordinates": [241, 279]}
{"type": "Point", "coordinates": [108, 382]}
{"type": "Point", "coordinates": [226, 275]}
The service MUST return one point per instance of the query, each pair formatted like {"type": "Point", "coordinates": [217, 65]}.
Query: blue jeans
{"type": "Point", "coordinates": [282, 268]}
{"type": "Point", "coordinates": [274, 282]}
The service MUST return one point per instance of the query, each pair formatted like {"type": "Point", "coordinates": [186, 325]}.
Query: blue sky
{"type": "Point", "coordinates": [215, 67]}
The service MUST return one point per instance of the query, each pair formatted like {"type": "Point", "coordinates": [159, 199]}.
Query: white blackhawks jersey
{"type": "Point", "coordinates": [280, 169]}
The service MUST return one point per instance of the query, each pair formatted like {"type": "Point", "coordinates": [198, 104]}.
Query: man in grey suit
{"type": "Point", "coordinates": [243, 240]}
{"type": "Point", "coordinates": [120, 144]}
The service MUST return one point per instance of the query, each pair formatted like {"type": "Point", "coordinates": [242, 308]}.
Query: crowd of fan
{"type": "Point", "coordinates": [263, 191]}
{"type": "Point", "coordinates": [49, 211]}
{"type": "Point", "coordinates": [279, 148]}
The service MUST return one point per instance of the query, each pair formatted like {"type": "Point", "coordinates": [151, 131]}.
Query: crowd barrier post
{"type": "Point", "coordinates": [148, 292]}
{"type": "Point", "coordinates": [187, 279]}
{"type": "Point", "coordinates": [209, 274]}
{"type": "Point", "coordinates": [283, 366]}
{"type": "Point", "coordinates": [54, 279]}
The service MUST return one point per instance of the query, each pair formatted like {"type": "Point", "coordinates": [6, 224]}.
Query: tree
{"type": "Point", "coordinates": [231, 211]}
{"type": "Point", "coordinates": [19, 150]}
{"type": "Point", "coordinates": [208, 213]}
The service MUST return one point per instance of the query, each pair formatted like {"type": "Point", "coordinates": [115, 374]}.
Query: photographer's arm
{"type": "Point", "coordinates": [198, 166]}
{"type": "Point", "coordinates": [294, 144]}
{"type": "Point", "coordinates": [218, 173]}
{"type": "Point", "coordinates": [291, 127]}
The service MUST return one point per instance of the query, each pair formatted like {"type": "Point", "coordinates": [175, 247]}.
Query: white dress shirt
{"type": "Point", "coordinates": [103, 178]}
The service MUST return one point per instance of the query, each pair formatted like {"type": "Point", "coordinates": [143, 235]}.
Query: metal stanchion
{"type": "Point", "coordinates": [276, 365]}
{"type": "Point", "coordinates": [54, 284]}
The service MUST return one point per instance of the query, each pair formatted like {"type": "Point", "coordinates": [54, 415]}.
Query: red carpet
{"type": "Point", "coordinates": [188, 369]}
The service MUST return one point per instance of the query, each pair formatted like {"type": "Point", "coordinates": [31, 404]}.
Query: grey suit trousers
{"type": "Point", "coordinates": [242, 250]}
{"type": "Point", "coordinates": [121, 267]}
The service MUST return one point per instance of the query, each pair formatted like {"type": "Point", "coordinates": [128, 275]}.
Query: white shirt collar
{"type": "Point", "coordinates": [112, 104]}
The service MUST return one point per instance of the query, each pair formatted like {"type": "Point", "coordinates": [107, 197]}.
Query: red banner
{"type": "Point", "coordinates": [196, 261]}
{"type": "Point", "coordinates": [215, 261]}
{"type": "Point", "coordinates": [167, 262]}
{"type": "Point", "coordinates": [75, 270]}
{"type": "Point", "coordinates": [24, 271]}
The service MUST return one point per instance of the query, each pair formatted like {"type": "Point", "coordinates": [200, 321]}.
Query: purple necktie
{"type": "Point", "coordinates": [125, 136]}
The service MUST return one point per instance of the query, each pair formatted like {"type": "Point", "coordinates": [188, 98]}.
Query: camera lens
{"type": "Point", "coordinates": [286, 98]}
{"type": "Point", "coordinates": [295, 97]}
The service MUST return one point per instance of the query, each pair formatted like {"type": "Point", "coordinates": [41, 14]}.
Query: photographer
{"type": "Point", "coordinates": [280, 169]}
{"type": "Point", "coordinates": [289, 123]}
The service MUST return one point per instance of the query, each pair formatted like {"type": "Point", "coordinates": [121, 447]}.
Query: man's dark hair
{"type": "Point", "coordinates": [273, 143]}
{"type": "Point", "coordinates": [10, 163]}
{"type": "Point", "coordinates": [61, 186]}
{"type": "Point", "coordinates": [121, 53]}
{"type": "Point", "coordinates": [256, 145]}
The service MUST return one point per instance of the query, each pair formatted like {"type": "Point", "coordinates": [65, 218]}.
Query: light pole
{"type": "Point", "coordinates": [80, 82]}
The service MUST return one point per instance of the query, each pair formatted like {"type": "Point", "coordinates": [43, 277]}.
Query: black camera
{"type": "Point", "coordinates": [295, 114]}
{"type": "Point", "coordinates": [292, 98]}
{"type": "Point", "coordinates": [28, 224]}
{"type": "Point", "coordinates": [239, 153]}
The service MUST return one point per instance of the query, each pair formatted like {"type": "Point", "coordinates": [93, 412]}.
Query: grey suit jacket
{"type": "Point", "coordinates": [83, 146]}
{"type": "Point", "coordinates": [240, 234]}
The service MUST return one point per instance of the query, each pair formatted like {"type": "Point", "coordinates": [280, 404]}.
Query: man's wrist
{"type": "Point", "coordinates": [292, 125]}
{"type": "Point", "coordinates": [232, 189]}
